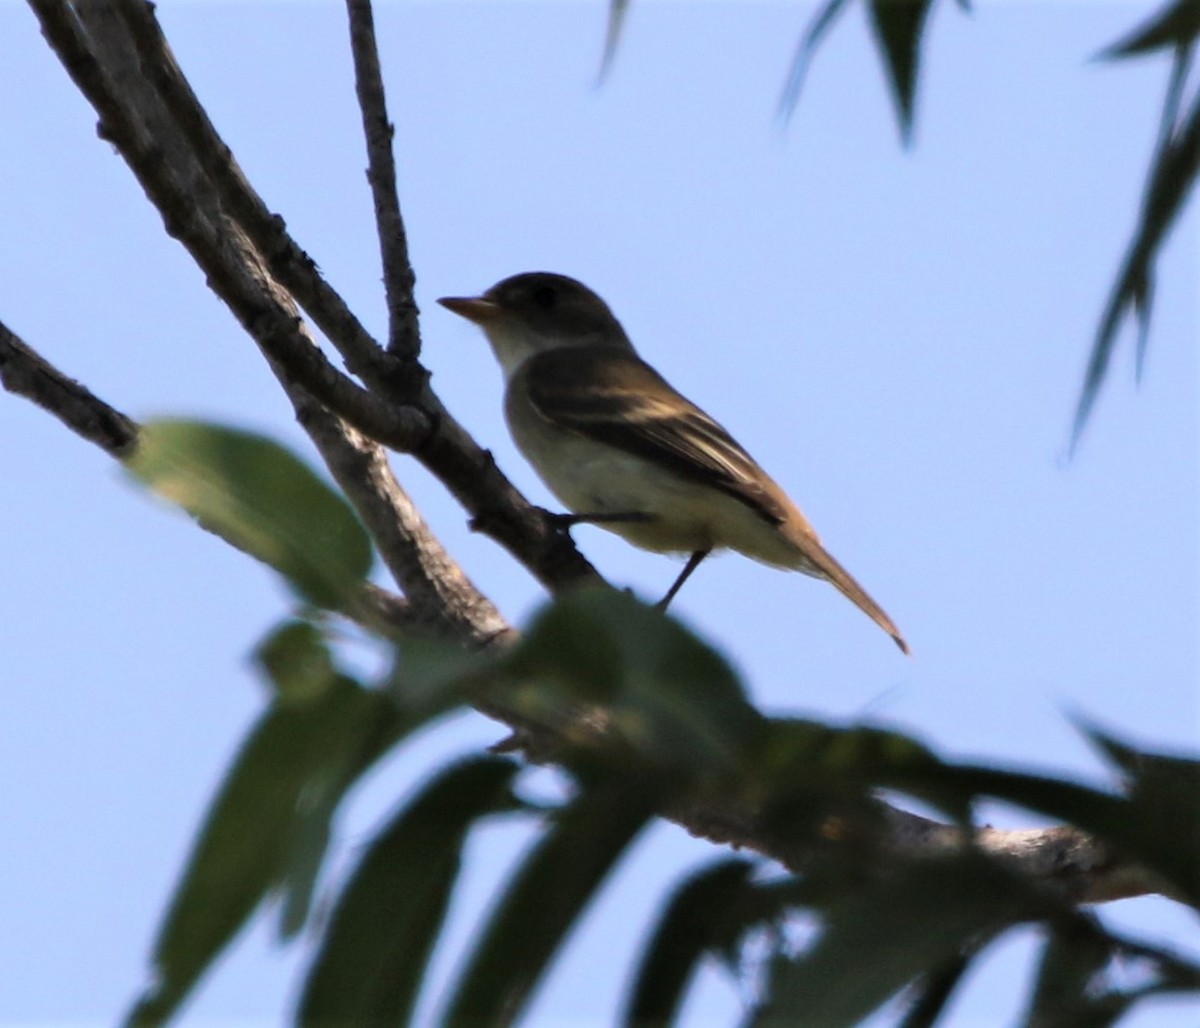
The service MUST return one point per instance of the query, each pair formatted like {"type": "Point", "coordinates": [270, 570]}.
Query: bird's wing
{"type": "Point", "coordinates": [614, 397]}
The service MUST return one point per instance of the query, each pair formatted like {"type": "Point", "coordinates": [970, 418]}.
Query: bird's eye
{"type": "Point", "coordinates": [545, 297]}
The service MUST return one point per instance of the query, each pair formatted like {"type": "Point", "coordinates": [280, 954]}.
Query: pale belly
{"type": "Point", "coordinates": [591, 478]}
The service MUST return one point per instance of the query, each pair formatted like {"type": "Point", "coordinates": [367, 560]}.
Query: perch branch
{"type": "Point", "coordinates": [124, 67]}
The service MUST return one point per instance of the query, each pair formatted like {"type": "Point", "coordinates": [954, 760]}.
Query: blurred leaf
{"type": "Point", "coordinates": [296, 660]}
{"type": "Point", "coordinates": [1175, 25]}
{"type": "Point", "coordinates": [617, 11]}
{"type": "Point", "coordinates": [820, 782]}
{"type": "Point", "coordinates": [1134, 828]}
{"type": "Point", "coordinates": [670, 696]}
{"type": "Point", "coordinates": [1163, 829]}
{"type": "Point", "coordinates": [1083, 965]}
{"type": "Point", "coordinates": [1066, 993]}
{"type": "Point", "coordinates": [242, 850]}
{"type": "Point", "coordinates": [898, 26]}
{"type": "Point", "coordinates": [259, 497]}
{"type": "Point", "coordinates": [435, 675]}
{"type": "Point", "coordinates": [1172, 175]}
{"type": "Point", "coordinates": [806, 49]}
{"type": "Point", "coordinates": [373, 957]}
{"type": "Point", "coordinates": [933, 991]}
{"type": "Point", "coordinates": [695, 921]}
{"type": "Point", "coordinates": [882, 937]}
{"type": "Point", "coordinates": [545, 899]}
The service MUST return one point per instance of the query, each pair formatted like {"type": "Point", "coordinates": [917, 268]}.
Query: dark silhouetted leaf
{"type": "Point", "coordinates": [669, 695]}
{"type": "Point", "coordinates": [696, 920]}
{"type": "Point", "coordinates": [1066, 993]}
{"type": "Point", "coordinates": [1175, 25]}
{"type": "Point", "coordinates": [617, 11]}
{"type": "Point", "coordinates": [545, 899]}
{"type": "Point", "coordinates": [880, 938]}
{"type": "Point", "coordinates": [1163, 826]}
{"type": "Point", "coordinates": [257, 496]}
{"type": "Point", "coordinates": [898, 25]}
{"type": "Point", "coordinates": [435, 675]}
{"type": "Point", "coordinates": [1172, 175]}
{"type": "Point", "coordinates": [1123, 824]}
{"type": "Point", "coordinates": [933, 991]}
{"type": "Point", "coordinates": [242, 851]}
{"type": "Point", "coordinates": [820, 782]}
{"type": "Point", "coordinates": [296, 660]}
{"type": "Point", "coordinates": [372, 961]}
{"type": "Point", "coordinates": [806, 49]}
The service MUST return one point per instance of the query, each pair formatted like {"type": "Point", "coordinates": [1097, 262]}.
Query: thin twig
{"type": "Point", "coordinates": [448, 450]}
{"type": "Point", "coordinates": [404, 337]}
{"type": "Point", "coordinates": [28, 374]}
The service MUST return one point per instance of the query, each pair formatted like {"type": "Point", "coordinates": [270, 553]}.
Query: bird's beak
{"type": "Point", "coordinates": [478, 309]}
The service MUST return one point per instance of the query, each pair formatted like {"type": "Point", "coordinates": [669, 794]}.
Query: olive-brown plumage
{"type": "Point", "coordinates": [610, 436]}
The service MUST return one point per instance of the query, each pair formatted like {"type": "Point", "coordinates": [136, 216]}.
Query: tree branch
{"type": "Point", "coordinates": [27, 374]}
{"type": "Point", "coordinates": [164, 134]}
{"type": "Point", "coordinates": [404, 338]}
{"type": "Point", "coordinates": [122, 64]}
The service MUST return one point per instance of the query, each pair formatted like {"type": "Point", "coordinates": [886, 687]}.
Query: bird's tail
{"type": "Point", "coordinates": [822, 564]}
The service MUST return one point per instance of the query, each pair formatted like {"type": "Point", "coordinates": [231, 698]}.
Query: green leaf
{"type": "Point", "coordinates": [372, 960]}
{"type": "Point", "coordinates": [1073, 963]}
{"type": "Point", "coordinates": [933, 991]}
{"type": "Point", "coordinates": [880, 938]}
{"type": "Point", "coordinates": [435, 675]}
{"type": "Point", "coordinates": [296, 750]}
{"type": "Point", "coordinates": [806, 49]}
{"type": "Point", "coordinates": [898, 25]}
{"type": "Point", "coordinates": [695, 921]}
{"type": "Point", "coordinates": [1175, 25]}
{"type": "Point", "coordinates": [617, 12]}
{"type": "Point", "coordinates": [1173, 172]}
{"type": "Point", "coordinates": [671, 697]}
{"type": "Point", "coordinates": [820, 781]}
{"type": "Point", "coordinates": [259, 497]}
{"type": "Point", "coordinates": [296, 661]}
{"type": "Point", "coordinates": [1162, 826]}
{"type": "Point", "coordinates": [545, 899]}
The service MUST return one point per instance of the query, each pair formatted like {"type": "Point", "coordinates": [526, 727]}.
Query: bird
{"type": "Point", "coordinates": [621, 448]}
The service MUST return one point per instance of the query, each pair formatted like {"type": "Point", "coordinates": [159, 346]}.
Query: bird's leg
{"type": "Point", "coordinates": [693, 563]}
{"type": "Point", "coordinates": [569, 521]}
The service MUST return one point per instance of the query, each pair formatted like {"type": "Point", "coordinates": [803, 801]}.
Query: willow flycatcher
{"type": "Point", "coordinates": [621, 448]}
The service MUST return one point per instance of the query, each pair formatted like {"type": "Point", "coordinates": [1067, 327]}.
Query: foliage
{"type": "Point", "coordinates": [678, 723]}
{"type": "Point", "coordinates": [899, 27]}
{"type": "Point", "coordinates": [656, 718]}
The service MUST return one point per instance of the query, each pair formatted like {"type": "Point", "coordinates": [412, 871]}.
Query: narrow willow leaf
{"type": "Point", "coordinates": [820, 782]}
{"type": "Point", "coordinates": [242, 850]}
{"type": "Point", "coordinates": [545, 900]}
{"type": "Point", "coordinates": [806, 49]}
{"type": "Point", "coordinates": [1134, 830]}
{"type": "Point", "coordinates": [933, 991]}
{"type": "Point", "coordinates": [668, 694]}
{"type": "Point", "coordinates": [1172, 176]}
{"type": "Point", "coordinates": [434, 675]}
{"type": "Point", "coordinates": [373, 957]}
{"type": "Point", "coordinates": [1175, 25]}
{"type": "Point", "coordinates": [296, 661]}
{"type": "Point", "coordinates": [1162, 827]}
{"type": "Point", "coordinates": [890, 933]}
{"type": "Point", "coordinates": [259, 497]}
{"type": "Point", "coordinates": [617, 12]}
{"type": "Point", "coordinates": [898, 28]}
{"type": "Point", "coordinates": [1073, 962]}
{"type": "Point", "coordinates": [694, 922]}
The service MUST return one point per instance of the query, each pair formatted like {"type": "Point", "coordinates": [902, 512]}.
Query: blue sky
{"type": "Point", "coordinates": [897, 336]}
